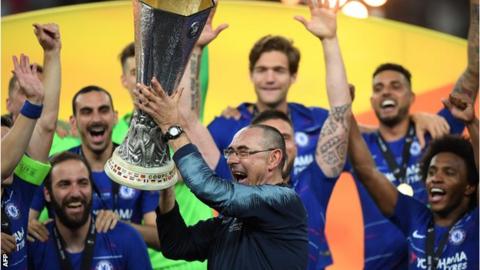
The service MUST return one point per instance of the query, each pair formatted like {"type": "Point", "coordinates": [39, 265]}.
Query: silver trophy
{"type": "Point", "coordinates": [165, 34]}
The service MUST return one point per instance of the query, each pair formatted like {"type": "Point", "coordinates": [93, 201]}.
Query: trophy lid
{"type": "Point", "coordinates": [181, 7]}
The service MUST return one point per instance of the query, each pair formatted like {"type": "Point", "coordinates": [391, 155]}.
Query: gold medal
{"type": "Point", "coordinates": [405, 189]}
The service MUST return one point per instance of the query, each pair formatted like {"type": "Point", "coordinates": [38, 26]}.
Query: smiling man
{"type": "Point", "coordinates": [444, 236]}
{"type": "Point", "coordinates": [260, 205]}
{"type": "Point", "coordinates": [396, 148]}
{"type": "Point", "coordinates": [251, 212]}
{"type": "Point", "coordinates": [256, 223]}
{"type": "Point", "coordinates": [94, 117]}
{"type": "Point", "coordinates": [74, 242]}
{"type": "Point", "coordinates": [262, 222]}
{"type": "Point", "coordinates": [273, 69]}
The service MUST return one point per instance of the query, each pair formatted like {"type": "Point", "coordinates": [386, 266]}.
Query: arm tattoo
{"type": "Point", "coordinates": [333, 142]}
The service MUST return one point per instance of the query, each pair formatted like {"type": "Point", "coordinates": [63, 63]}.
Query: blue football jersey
{"type": "Point", "coordinates": [315, 189]}
{"type": "Point", "coordinates": [120, 248]}
{"type": "Point", "coordinates": [461, 249]}
{"type": "Point", "coordinates": [16, 200]}
{"type": "Point", "coordinates": [307, 123]}
{"type": "Point", "coordinates": [385, 252]}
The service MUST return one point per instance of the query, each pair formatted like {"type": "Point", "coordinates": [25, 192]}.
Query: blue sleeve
{"type": "Point", "coordinates": [320, 115]}
{"type": "Point", "coordinates": [26, 190]}
{"type": "Point", "coordinates": [217, 129]}
{"type": "Point", "coordinates": [222, 169]}
{"type": "Point", "coordinates": [408, 212]}
{"type": "Point", "coordinates": [38, 201]}
{"type": "Point", "coordinates": [265, 203]}
{"type": "Point", "coordinates": [149, 201]}
{"type": "Point", "coordinates": [223, 130]}
{"type": "Point", "coordinates": [135, 250]}
{"type": "Point", "coordinates": [32, 253]}
{"type": "Point", "coordinates": [456, 126]}
{"type": "Point", "coordinates": [312, 180]}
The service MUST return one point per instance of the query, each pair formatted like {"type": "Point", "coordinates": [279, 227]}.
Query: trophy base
{"type": "Point", "coordinates": [137, 177]}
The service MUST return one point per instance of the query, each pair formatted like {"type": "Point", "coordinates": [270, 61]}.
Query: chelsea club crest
{"type": "Point", "coordinates": [126, 192]}
{"type": "Point", "coordinates": [12, 211]}
{"type": "Point", "coordinates": [415, 149]}
{"type": "Point", "coordinates": [104, 265]}
{"type": "Point", "coordinates": [301, 139]}
{"type": "Point", "coordinates": [457, 236]}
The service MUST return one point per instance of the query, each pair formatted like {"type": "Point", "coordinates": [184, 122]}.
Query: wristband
{"type": "Point", "coordinates": [32, 171]}
{"type": "Point", "coordinates": [30, 110]}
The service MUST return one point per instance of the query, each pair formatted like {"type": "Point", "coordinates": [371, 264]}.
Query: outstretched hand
{"type": "Point", "coordinates": [208, 34]}
{"type": "Point", "coordinates": [48, 36]}
{"type": "Point", "coordinates": [160, 106]}
{"type": "Point", "coordinates": [323, 21]}
{"type": "Point", "coordinates": [27, 79]}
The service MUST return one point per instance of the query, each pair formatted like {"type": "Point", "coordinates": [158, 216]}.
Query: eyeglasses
{"type": "Point", "coordinates": [243, 153]}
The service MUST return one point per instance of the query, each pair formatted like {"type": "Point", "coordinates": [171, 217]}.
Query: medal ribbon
{"type": "Point", "coordinates": [399, 171]}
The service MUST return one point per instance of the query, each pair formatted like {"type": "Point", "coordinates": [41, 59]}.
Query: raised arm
{"type": "Point", "coordinates": [382, 191]}
{"type": "Point", "coordinates": [229, 198]}
{"type": "Point", "coordinates": [15, 142]}
{"type": "Point", "coordinates": [190, 101]}
{"type": "Point", "coordinates": [468, 81]}
{"type": "Point", "coordinates": [48, 37]}
{"type": "Point", "coordinates": [333, 141]}
{"type": "Point", "coordinates": [456, 104]}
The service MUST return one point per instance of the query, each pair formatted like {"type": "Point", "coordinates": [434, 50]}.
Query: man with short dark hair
{"type": "Point", "coordinates": [120, 129]}
{"type": "Point", "coordinates": [74, 243]}
{"type": "Point", "coordinates": [94, 117]}
{"type": "Point", "coordinates": [444, 235]}
{"type": "Point", "coordinates": [397, 150]}
{"type": "Point", "coordinates": [273, 65]}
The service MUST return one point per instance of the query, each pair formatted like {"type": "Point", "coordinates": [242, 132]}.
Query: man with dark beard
{"type": "Point", "coordinates": [74, 242]}
{"type": "Point", "coordinates": [94, 117]}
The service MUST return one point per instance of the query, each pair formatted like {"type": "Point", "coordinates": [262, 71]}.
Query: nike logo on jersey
{"type": "Point", "coordinates": [418, 236]}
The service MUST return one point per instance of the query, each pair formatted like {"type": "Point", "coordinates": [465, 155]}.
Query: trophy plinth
{"type": "Point", "coordinates": [139, 177]}
{"type": "Point", "coordinates": [165, 34]}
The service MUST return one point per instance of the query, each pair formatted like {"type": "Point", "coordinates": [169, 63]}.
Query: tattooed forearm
{"type": "Point", "coordinates": [195, 85]}
{"type": "Point", "coordinates": [333, 142]}
{"type": "Point", "coordinates": [335, 158]}
{"type": "Point", "coordinates": [339, 114]}
{"type": "Point", "coordinates": [468, 81]}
